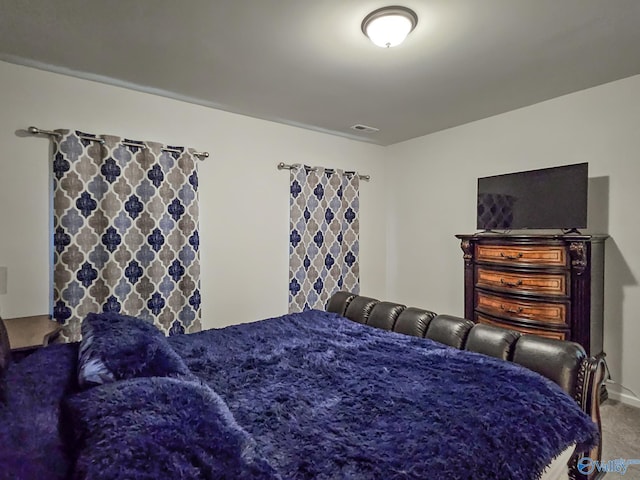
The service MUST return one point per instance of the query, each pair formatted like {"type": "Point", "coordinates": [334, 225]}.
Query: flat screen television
{"type": "Point", "coordinates": [543, 199]}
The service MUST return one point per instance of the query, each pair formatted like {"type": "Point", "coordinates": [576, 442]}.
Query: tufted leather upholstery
{"type": "Point", "coordinates": [493, 341]}
{"type": "Point", "coordinates": [413, 321]}
{"type": "Point", "coordinates": [555, 359]}
{"type": "Point", "coordinates": [384, 315]}
{"type": "Point", "coordinates": [359, 308]}
{"type": "Point", "coordinates": [452, 331]}
{"type": "Point", "coordinates": [339, 301]}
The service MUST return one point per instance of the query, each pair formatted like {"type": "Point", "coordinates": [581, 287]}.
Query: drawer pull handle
{"type": "Point", "coordinates": [511, 310]}
{"type": "Point", "coordinates": [511, 257]}
{"type": "Point", "coordinates": [510, 284]}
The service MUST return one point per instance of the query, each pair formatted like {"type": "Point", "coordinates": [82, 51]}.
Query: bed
{"type": "Point", "coordinates": [364, 390]}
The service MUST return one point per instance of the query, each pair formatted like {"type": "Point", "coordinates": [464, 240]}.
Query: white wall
{"type": "Point", "coordinates": [244, 199]}
{"type": "Point", "coordinates": [433, 180]}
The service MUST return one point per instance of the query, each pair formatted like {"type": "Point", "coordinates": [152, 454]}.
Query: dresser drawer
{"type": "Point", "coordinates": [543, 256]}
{"type": "Point", "coordinates": [527, 330]}
{"type": "Point", "coordinates": [543, 283]}
{"type": "Point", "coordinates": [540, 284]}
{"type": "Point", "coordinates": [504, 307]}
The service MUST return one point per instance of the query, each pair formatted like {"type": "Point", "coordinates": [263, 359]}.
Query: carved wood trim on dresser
{"type": "Point", "coordinates": [542, 284]}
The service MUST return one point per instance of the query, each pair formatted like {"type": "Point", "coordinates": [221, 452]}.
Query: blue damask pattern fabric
{"type": "Point", "coordinates": [125, 232]}
{"type": "Point", "coordinates": [324, 236]}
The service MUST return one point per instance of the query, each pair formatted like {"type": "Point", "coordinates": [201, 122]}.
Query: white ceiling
{"type": "Point", "coordinates": [307, 63]}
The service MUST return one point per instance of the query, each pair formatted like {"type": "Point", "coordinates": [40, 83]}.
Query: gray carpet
{"type": "Point", "coordinates": [621, 436]}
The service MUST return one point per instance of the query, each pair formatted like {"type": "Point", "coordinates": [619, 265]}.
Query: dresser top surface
{"type": "Point", "coordinates": [523, 237]}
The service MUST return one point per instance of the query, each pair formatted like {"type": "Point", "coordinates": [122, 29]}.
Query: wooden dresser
{"type": "Point", "coordinates": [547, 285]}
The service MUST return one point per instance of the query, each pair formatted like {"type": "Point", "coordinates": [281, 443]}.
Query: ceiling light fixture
{"type": "Point", "coordinates": [389, 26]}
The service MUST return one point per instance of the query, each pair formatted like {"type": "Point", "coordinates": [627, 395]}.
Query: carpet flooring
{"type": "Point", "coordinates": [621, 436]}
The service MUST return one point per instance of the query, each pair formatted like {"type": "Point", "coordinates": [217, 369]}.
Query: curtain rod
{"type": "Point", "coordinates": [284, 166]}
{"type": "Point", "coordinates": [39, 131]}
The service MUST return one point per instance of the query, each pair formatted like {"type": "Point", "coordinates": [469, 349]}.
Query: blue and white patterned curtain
{"type": "Point", "coordinates": [323, 240]}
{"type": "Point", "coordinates": [125, 232]}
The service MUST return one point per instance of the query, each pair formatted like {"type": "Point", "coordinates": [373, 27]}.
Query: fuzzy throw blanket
{"type": "Point", "coordinates": [151, 428]}
{"type": "Point", "coordinates": [31, 444]}
{"type": "Point", "coordinates": [328, 398]}
{"type": "Point", "coordinates": [303, 396]}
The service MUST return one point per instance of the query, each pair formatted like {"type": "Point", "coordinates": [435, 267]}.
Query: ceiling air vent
{"type": "Point", "coordinates": [364, 128]}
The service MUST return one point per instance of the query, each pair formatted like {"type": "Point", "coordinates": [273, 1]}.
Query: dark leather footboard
{"type": "Point", "coordinates": [565, 363]}
{"type": "Point", "coordinates": [5, 356]}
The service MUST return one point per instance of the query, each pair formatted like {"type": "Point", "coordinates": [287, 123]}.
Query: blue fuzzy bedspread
{"type": "Point", "coordinates": [303, 396]}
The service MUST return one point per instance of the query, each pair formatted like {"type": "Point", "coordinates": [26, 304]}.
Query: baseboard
{"type": "Point", "coordinates": [623, 397]}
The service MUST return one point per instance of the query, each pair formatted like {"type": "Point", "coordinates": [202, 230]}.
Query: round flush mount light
{"type": "Point", "coordinates": [389, 26]}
